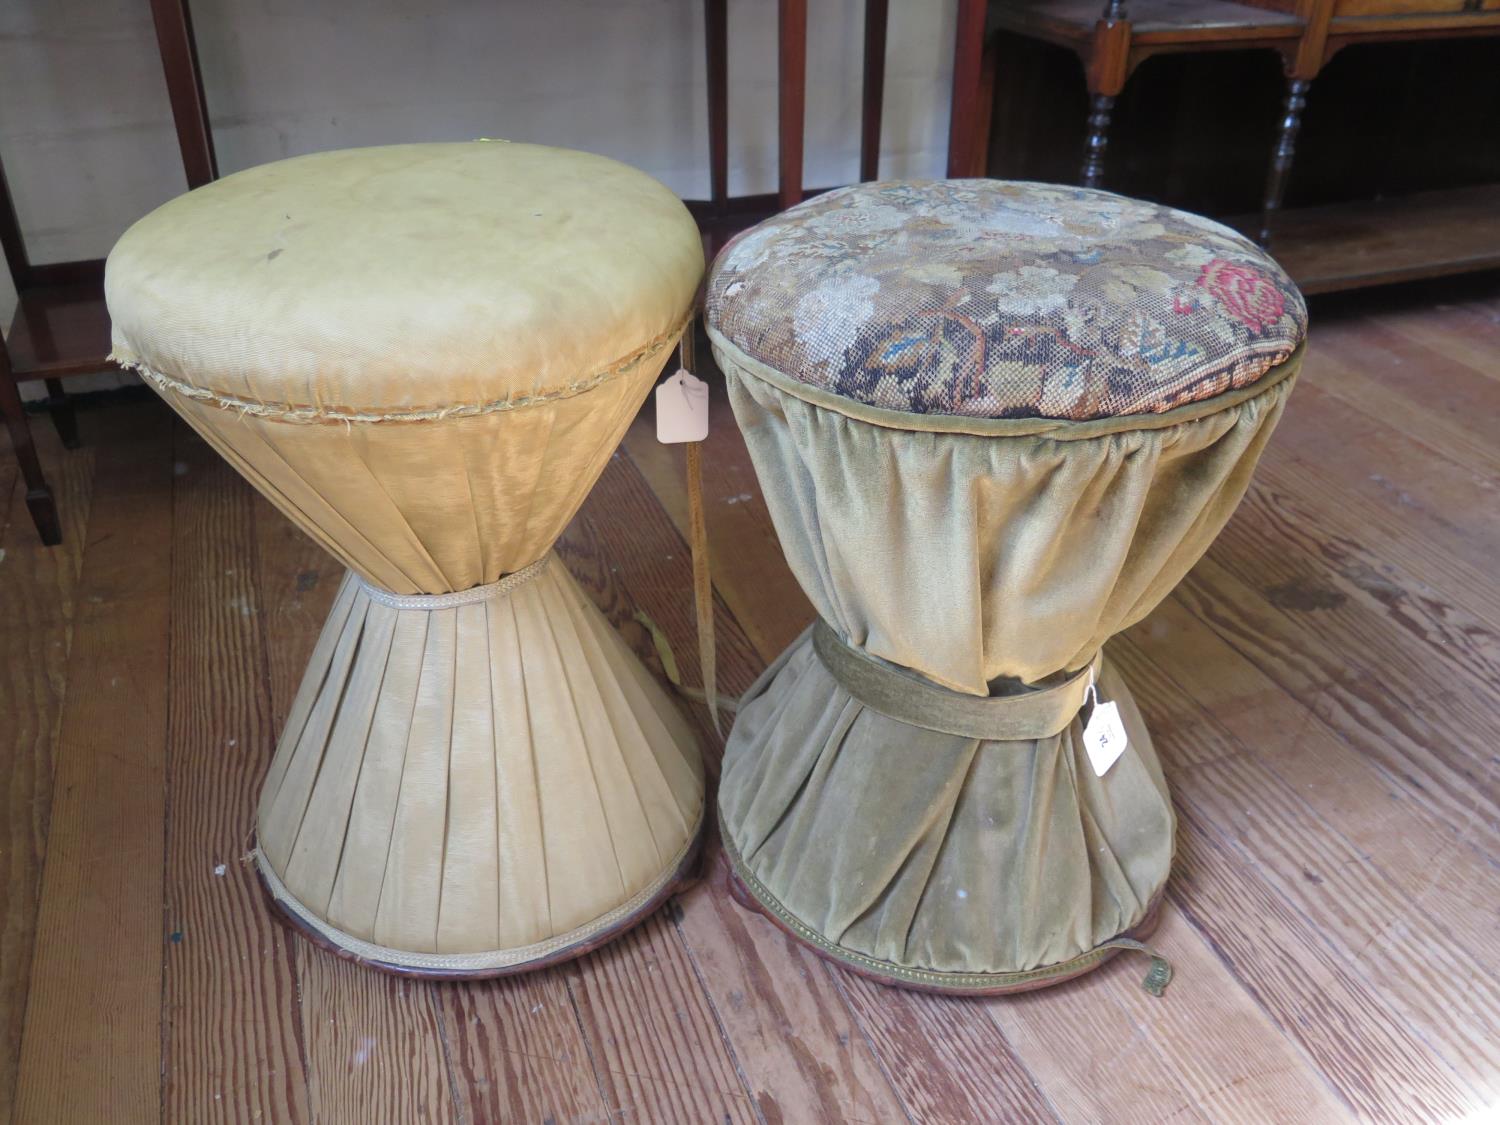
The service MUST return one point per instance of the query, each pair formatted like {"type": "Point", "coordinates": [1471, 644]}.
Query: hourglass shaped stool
{"type": "Point", "coordinates": [994, 424]}
{"type": "Point", "coordinates": [424, 355]}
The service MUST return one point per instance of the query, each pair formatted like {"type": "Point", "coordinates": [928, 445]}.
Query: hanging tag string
{"type": "Point", "coordinates": [703, 594]}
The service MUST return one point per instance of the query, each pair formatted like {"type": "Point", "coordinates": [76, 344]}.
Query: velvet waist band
{"type": "Point", "coordinates": [1023, 713]}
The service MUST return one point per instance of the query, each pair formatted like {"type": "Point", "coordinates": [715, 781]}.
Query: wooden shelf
{"type": "Point", "coordinates": [1152, 21]}
{"type": "Point", "coordinates": [1354, 245]}
{"type": "Point", "coordinates": [59, 330]}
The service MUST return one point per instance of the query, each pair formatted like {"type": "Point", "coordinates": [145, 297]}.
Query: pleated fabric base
{"type": "Point", "coordinates": [935, 860]}
{"type": "Point", "coordinates": [480, 789]}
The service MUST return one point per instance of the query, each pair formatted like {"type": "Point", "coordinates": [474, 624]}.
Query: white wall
{"type": "Point", "coordinates": [89, 146]}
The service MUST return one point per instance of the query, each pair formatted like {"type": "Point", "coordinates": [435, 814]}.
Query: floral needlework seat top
{"type": "Point", "coordinates": [1004, 300]}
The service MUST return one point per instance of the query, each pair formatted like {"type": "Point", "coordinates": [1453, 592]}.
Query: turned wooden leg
{"type": "Point", "coordinates": [61, 409]}
{"type": "Point", "coordinates": [1101, 107]}
{"type": "Point", "coordinates": [1281, 158]}
{"type": "Point", "coordinates": [38, 496]}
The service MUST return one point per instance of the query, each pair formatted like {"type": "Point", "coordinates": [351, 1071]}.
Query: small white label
{"type": "Point", "coordinates": [682, 409]}
{"type": "Point", "coordinates": [1104, 737]}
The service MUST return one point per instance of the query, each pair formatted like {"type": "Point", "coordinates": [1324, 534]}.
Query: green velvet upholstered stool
{"type": "Point", "coordinates": [995, 423]}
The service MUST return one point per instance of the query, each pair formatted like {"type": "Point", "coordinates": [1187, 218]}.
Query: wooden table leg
{"type": "Point", "coordinates": [968, 48]}
{"type": "Point", "coordinates": [61, 409]}
{"type": "Point", "coordinates": [1101, 109]}
{"type": "Point", "coordinates": [876, 18]}
{"type": "Point", "coordinates": [1106, 67]}
{"type": "Point", "coordinates": [716, 72]}
{"type": "Point", "coordinates": [791, 28]}
{"type": "Point", "coordinates": [38, 496]}
{"type": "Point", "coordinates": [716, 67]}
{"type": "Point", "coordinates": [1281, 158]}
{"type": "Point", "coordinates": [179, 60]}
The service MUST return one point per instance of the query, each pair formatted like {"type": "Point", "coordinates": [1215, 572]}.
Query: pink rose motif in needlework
{"type": "Point", "coordinates": [1246, 294]}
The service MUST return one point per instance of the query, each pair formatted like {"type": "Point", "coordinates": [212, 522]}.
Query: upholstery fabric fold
{"type": "Point", "coordinates": [975, 561]}
{"type": "Point", "coordinates": [424, 507]}
{"type": "Point", "coordinates": [461, 788]}
{"type": "Point", "coordinates": [983, 568]}
{"type": "Point", "coordinates": [916, 848]}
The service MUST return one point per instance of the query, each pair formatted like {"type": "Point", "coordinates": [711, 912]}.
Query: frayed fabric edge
{"type": "Point", "coordinates": [314, 415]}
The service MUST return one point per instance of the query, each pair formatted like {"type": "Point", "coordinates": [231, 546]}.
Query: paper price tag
{"type": "Point", "coordinates": [681, 409]}
{"type": "Point", "coordinates": [1104, 737]}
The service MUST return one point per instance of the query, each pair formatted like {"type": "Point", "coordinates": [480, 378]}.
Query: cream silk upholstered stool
{"type": "Point", "coordinates": [424, 355]}
{"type": "Point", "coordinates": [994, 424]}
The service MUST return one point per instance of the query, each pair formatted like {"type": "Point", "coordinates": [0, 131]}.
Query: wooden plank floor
{"type": "Point", "coordinates": [1324, 689]}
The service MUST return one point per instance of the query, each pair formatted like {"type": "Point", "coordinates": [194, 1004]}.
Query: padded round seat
{"type": "Point", "coordinates": [995, 424]}
{"type": "Point", "coordinates": [424, 355]}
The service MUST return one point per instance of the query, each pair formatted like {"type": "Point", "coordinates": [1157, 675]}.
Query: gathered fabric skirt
{"type": "Point", "coordinates": [934, 858]}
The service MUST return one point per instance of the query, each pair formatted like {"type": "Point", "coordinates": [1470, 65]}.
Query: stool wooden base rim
{"type": "Point", "coordinates": [504, 962]}
{"type": "Point", "coordinates": [742, 889]}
